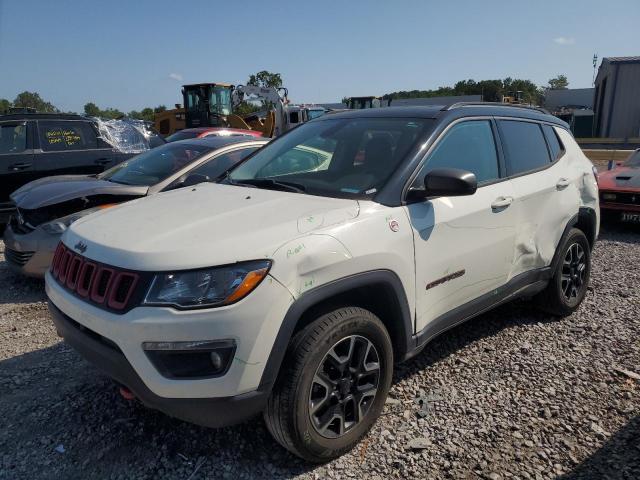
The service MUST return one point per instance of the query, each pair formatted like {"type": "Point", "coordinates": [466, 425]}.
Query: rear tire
{"type": "Point", "coordinates": [568, 285]}
{"type": "Point", "coordinates": [332, 385]}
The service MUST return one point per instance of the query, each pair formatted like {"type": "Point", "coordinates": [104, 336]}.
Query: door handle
{"type": "Point", "coordinates": [102, 161]}
{"type": "Point", "coordinates": [19, 166]}
{"type": "Point", "coordinates": [562, 183]}
{"type": "Point", "coordinates": [502, 202]}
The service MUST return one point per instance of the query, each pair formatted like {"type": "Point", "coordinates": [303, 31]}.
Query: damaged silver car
{"type": "Point", "coordinates": [46, 207]}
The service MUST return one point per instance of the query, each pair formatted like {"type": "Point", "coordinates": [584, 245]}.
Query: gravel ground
{"type": "Point", "coordinates": [511, 394]}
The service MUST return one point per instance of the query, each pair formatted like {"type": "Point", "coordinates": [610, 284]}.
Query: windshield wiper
{"type": "Point", "coordinates": [115, 181]}
{"type": "Point", "coordinates": [269, 183]}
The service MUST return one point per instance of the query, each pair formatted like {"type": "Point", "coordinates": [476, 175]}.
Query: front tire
{"type": "Point", "coordinates": [332, 386]}
{"type": "Point", "coordinates": [568, 286]}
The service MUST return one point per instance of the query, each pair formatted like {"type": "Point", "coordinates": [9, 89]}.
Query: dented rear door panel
{"type": "Point", "coordinates": [545, 201]}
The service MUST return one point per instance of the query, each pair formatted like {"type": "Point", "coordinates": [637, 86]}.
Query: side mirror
{"type": "Point", "coordinates": [194, 179]}
{"type": "Point", "coordinates": [446, 182]}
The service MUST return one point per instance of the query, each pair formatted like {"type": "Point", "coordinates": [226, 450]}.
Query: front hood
{"type": "Point", "coordinates": [620, 178]}
{"type": "Point", "coordinates": [207, 225]}
{"type": "Point", "coordinates": [51, 190]}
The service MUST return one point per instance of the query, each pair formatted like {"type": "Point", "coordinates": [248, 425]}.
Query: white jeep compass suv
{"type": "Point", "coordinates": [334, 251]}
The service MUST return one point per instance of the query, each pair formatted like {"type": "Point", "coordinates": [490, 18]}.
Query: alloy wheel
{"type": "Point", "coordinates": [344, 386]}
{"type": "Point", "coordinates": [574, 268]}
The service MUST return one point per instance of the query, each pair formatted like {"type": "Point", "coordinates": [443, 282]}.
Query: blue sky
{"type": "Point", "coordinates": [132, 54]}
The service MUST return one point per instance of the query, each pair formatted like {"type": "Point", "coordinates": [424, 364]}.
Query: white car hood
{"type": "Point", "coordinates": [206, 225]}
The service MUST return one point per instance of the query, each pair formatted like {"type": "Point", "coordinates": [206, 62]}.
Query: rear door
{"type": "Point", "coordinates": [16, 158]}
{"type": "Point", "coordinates": [71, 147]}
{"type": "Point", "coordinates": [546, 196]}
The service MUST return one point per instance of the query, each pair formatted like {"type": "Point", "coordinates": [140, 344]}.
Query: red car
{"type": "Point", "coordinates": [201, 132]}
{"type": "Point", "coordinates": [620, 189]}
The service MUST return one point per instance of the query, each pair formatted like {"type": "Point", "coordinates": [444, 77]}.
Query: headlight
{"type": "Point", "coordinates": [609, 196]}
{"type": "Point", "coordinates": [57, 227]}
{"type": "Point", "coordinates": [207, 287]}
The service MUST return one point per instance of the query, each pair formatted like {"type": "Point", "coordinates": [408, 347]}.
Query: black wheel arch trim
{"type": "Point", "coordinates": [404, 341]}
{"type": "Point", "coordinates": [586, 217]}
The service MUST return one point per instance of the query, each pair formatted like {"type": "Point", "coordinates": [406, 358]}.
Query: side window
{"type": "Point", "coordinates": [220, 164]}
{"type": "Point", "coordinates": [470, 146]}
{"type": "Point", "coordinates": [524, 145]}
{"type": "Point", "coordinates": [556, 147]}
{"type": "Point", "coordinates": [60, 135]}
{"type": "Point", "coordinates": [13, 138]}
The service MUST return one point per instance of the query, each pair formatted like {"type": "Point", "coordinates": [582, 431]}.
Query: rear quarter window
{"type": "Point", "coordinates": [555, 145]}
{"type": "Point", "coordinates": [59, 136]}
{"type": "Point", "coordinates": [524, 146]}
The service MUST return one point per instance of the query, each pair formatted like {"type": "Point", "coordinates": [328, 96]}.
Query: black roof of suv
{"type": "Point", "coordinates": [43, 116]}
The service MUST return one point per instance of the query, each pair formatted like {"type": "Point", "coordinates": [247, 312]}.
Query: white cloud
{"type": "Point", "coordinates": [175, 76]}
{"type": "Point", "coordinates": [565, 40]}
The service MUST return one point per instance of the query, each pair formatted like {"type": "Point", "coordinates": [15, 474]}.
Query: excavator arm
{"type": "Point", "coordinates": [277, 124]}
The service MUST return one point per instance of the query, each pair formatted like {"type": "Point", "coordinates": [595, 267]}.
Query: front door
{"type": "Point", "coordinates": [463, 245]}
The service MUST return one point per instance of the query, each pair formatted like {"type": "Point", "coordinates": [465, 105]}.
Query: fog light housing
{"type": "Point", "coordinates": [191, 360]}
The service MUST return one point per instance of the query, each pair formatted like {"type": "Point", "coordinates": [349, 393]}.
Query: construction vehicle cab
{"type": "Point", "coordinates": [207, 104]}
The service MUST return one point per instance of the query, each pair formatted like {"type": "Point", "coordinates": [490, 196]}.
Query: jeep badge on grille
{"type": "Point", "coordinates": [81, 247]}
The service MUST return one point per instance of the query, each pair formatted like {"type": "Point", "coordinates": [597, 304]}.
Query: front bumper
{"type": "Point", "coordinates": [209, 412]}
{"type": "Point", "coordinates": [30, 253]}
{"type": "Point", "coordinates": [620, 207]}
{"type": "Point", "coordinates": [252, 323]}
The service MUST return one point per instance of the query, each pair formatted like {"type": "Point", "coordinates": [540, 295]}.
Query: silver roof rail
{"type": "Point", "coordinates": [493, 104]}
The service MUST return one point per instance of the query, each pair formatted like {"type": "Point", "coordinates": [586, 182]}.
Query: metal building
{"type": "Point", "coordinates": [617, 98]}
{"type": "Point", "coordinates": [568, 98]}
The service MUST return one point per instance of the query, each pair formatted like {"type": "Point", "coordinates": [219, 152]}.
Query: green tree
{"type": "Point", "coordinates": [491, 90]}
{"type": "Point", "coordinates": [34, 100]}
{"type": "Point", "coordinates": [265, 79]}
{"type": "Point", "coordinates": [4, 105]}
{"type": "Point", "coordinates": [111, 113]}
{"type": "Point", "coordinates": [558, 83]}
{"type": "Point", "coordinates": [160, 108]}
{"type": "Point", "coordinates": [91, 109]}
{"type": "Point", "coordinates": [147, 114]}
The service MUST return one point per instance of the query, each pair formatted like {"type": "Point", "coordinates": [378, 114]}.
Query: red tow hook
{"type": "Point", "coordinates": [127, 394]}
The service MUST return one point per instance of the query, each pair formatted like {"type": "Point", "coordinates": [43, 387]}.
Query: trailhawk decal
{"type": "Point", "coordinates": [448, 278]}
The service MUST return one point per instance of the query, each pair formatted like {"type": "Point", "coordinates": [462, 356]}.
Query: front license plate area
{"type": "Point", "coordinates": [631, 217]}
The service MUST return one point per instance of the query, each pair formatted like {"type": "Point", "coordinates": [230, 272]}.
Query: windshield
{"type": "Point", "coordinates": [155, 165]}
{"type": "Point", "coordinates": [182, 135]}
{"type": "Point", "coordinates": [220, 100]}
{"type": "Point", "coordinates": [633, 160]}
{"type": "Point", "coordinates": [351, 157]}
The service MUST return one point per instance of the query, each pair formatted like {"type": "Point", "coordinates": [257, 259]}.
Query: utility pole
{"type": "Point", "coordinates": [595, 62]}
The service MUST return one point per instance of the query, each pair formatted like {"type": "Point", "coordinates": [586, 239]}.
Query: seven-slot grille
{"type": "Point", "coordinates": [102, 285]}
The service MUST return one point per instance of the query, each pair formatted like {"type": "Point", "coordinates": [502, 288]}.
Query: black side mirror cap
{"type": "Point", "coordinates": [450, 182]}
{"type": "Point", "coordinates": [445, 182]}
{"type": "Point", "coordinates": [194, 179]}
